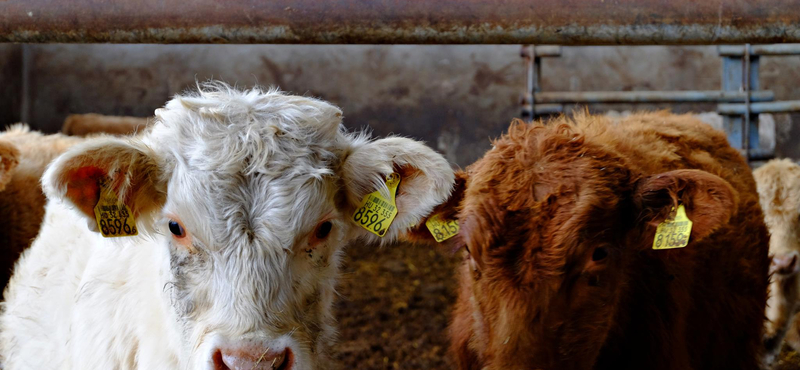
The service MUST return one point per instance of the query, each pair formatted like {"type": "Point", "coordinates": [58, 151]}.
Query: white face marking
{"type": "Point", "coordinates": [250, 183]}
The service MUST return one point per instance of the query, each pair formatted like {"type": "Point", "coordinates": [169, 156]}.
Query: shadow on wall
{"type": "Point", "coordinates": [454, 97]}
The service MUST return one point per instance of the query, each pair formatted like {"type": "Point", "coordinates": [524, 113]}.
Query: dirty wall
{"type": "Point", "coordinates": [454, 97]}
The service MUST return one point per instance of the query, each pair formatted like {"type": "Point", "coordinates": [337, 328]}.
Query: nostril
{"type": "Point", "coordinates": [219, 364]}
{"type": "Point", "coordinates": [249, 358]}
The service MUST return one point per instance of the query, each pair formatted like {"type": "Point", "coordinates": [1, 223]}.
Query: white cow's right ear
{"type": "Point", "coordinates": [129, 168]}
{"type": "Point", "coordinates": [426, 179]}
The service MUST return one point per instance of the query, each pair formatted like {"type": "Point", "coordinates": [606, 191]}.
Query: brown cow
{"type": "Point", "coordinates": [559, 222]}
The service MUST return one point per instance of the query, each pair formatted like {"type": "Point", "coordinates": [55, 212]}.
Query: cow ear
{"type": "Point", "coordinates": [709, 200]}
{"type": "Point", "coordinates": [9, 159]}
{"type": "Point", "coordinates": [419, 233]}
{"type": "Point", "coordinates": [127, 167]}
{"type": "Point", "coordinates": [426, 179]}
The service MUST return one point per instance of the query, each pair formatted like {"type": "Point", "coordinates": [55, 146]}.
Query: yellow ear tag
{"type": "Point", "coordinates": [113, 218]}
{"type": "Point", "coordinates": [442, 229]}
{"type": "Point", "coordinates": [673, 233]}
{"type": "Point", "coordinates": [376, 213]}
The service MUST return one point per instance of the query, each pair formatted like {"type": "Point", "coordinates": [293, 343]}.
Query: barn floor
{"type": "Point", "coordinates": [395, 306]}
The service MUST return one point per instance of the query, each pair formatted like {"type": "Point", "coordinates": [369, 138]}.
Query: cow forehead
{"type": "Point", "coordinates": [245, 159]}
{"type": "Point", "coordinates": [545, 187]}
{"type": "Point", "coordinates": [269, 207]}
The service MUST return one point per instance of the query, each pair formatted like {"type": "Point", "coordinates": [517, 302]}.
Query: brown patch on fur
{"type": "Point", "coordinates": [560, 220]}
{"type": "Point", "coordinates": [9, 159]}
{"type": "Point", "coordinates": [92, 123]}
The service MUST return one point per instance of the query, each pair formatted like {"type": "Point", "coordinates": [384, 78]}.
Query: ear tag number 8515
{"type": "Point", "coordinates": [673, 233]}
{"type": "Point", "coordinates": [376, 212]}
{"type": "Point", "coordinates": [442, 229]}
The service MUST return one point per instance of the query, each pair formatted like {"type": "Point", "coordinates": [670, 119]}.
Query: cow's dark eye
{"type": "Point", "coordinates": [323, 230]}
{"type": "Point", "coordinates": [599, 253]}
{"type": "Point", "coordinates": [176, 229]}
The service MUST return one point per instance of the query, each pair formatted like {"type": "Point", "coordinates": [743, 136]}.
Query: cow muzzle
{"type": "Point", "coordinates": [250, 356]}
{"type": "Point", "coordinates": [785, 264]}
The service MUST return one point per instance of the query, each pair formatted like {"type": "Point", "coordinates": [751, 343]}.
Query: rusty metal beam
{"type": "Point", "coordinates": [566, 22]}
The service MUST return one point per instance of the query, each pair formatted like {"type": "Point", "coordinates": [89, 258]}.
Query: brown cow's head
{"type": "Point", "coordinates": [550, 224]}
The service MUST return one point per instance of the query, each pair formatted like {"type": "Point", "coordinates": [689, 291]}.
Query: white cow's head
{"type": "Point", "coordinates": [250, 194]}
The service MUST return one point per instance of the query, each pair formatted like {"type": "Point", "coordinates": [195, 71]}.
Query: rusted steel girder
{"type": "Point", "coordinates": [564, 22]}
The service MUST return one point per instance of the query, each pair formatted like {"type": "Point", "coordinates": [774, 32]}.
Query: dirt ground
{"type": "Point", "coordinates": [395, 305]}
{"type": "Point", "coordinates": [789, 360]}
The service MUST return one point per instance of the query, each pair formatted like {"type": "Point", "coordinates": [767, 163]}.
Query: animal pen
{"type": "Point", "coordinates": [395, 300]}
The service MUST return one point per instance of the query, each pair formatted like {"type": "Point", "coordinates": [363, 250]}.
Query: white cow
{"type": "Point", "coordinates": [243, 202]}
{"type": "Point", "coordinates": [778, 184]}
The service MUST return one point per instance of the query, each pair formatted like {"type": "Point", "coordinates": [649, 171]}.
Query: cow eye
{"type": "Point", "coordinates": [176, 229]}
{"type": "Point", "coordinates": [599, 253]}
{"type": "Point", "coordinates": [323, 230]}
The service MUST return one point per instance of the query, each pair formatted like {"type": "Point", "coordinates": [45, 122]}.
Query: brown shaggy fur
{"type": "Point", "coordinates": [558, 221]}
{"type": "Point", "coordinates": [86, 124]}
{"type": "Point", "coordinates": [21, 200]}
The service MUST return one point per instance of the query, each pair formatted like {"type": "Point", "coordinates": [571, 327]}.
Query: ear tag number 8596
{"type": "Point", "coordinates": [376, 212]}
{"type": "Point", "coordinates": [114, 218]}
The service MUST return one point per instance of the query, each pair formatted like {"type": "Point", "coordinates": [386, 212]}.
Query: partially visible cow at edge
{"type": "Point", "coordinates": [778, 184]}
{"type": "Point", "coordinates": [243, 202]}
{"type": "Point", "coordinates": [24, 155]}
{"type": "Point", "coordinates": [558, 222]}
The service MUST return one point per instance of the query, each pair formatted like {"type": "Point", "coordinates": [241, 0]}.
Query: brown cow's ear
{"type": "Point", "coordinates": [709, 200]}
{"type": "Point", "coordinates": [127, 167]}
{"type": "Point", "coordinates": [448, 210]}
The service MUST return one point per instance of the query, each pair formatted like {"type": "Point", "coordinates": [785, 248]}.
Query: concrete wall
{"type": "Point", "coordinates": [454, 97]}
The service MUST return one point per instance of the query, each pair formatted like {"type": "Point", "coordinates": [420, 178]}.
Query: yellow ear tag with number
{"type": "Point", "coordinates": [114, 218]}
{"type": "Point", "coordinates": [376, 213]}
{"type": "Point", "coordinates": [673, 233]}
{"type": "Point", "coordinates": [442, 229]}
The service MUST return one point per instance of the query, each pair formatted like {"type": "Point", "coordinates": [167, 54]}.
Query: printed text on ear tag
{"type": "Point", "coordinates": [376, 213]}
{"type": "Point", "coordinates": [673, 233]}
{"type": "Point", "coordinates": [441, 229]}
{"type": "Point", "coordinates": [114, 218]}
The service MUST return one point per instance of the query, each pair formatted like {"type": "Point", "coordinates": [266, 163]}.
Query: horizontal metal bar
{"type": "Point", "coordinates": [536, 22]}
{"type": "Point", "coordinates": [776, 49]}
{"type": "Point", "coordinates": [542, 109]}
{"type": "Point", "coordinates": [568, 97]}
{"type": "Point", "coordinates": [758, 154]}
{"type": "Point", "coordinates": [756, 108]}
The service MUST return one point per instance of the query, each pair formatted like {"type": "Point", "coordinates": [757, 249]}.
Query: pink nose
{"type": "Point", "coordinates": [251, 357]}
{"type": "Point", "coordinates": [785, 264]}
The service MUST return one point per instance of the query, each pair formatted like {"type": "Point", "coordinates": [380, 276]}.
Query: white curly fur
{"type": "Point", "coordinates": [250, 175]}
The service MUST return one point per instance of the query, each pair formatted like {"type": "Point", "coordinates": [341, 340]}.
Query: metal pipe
{"type": "Point", "coordinates": [542, 109]}
{"type": "Point", "coordinates": [568, 97]}
{"type": "Point", "coordinates": [540, 22]}
{"type": "Point", "coordinates": [757, 108]}
{"type": "Point", "coordinates": [777, 49]}
{"type": "Point", "coordinates": [746, 77]}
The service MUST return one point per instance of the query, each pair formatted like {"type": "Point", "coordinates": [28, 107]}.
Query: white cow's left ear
{"type": "Point", "coordinates": [426, 179]}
